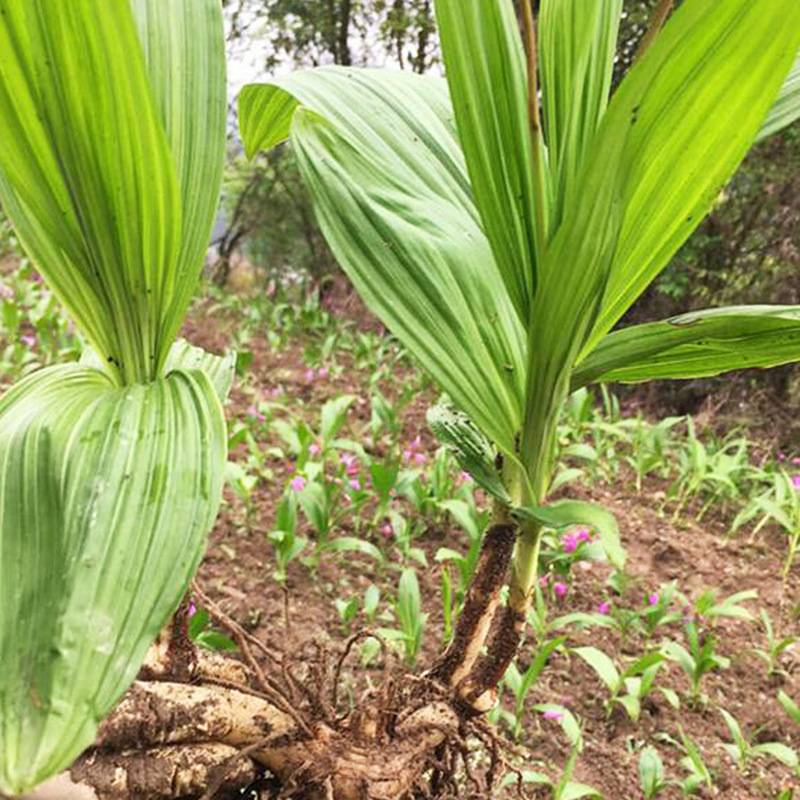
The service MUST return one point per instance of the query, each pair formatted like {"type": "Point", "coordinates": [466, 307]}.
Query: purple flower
{"type": "Point", "coordinates": [604, 607]}
{"type": "Point", "coordinates": [420, 459]}
{"type": "Point", "coordinates": [309, 376]}
{"type": "Point", "coordinates": [323, 372]}
{"type": "Point", "coordinates": [28, 340]}
{"type": "Point", "coordinates": [544, 580]}
{"type": "Point", "coordinates": [796, 481]}
{"type": "Point", "coordinates": [351, 464]}
{"type": "Point", "coordinates": [192, 608]}
{"type": "Point", "coordinates": [355, 484]}
{"type": "Point", "coordinates": [570, 543]}
{"type": "Point", "coordinates": [551, 713]}
{"type": "Point", "coordinates": [298, 483]}
{"type": "Point", "coordinates": [36, 277]}
{"type": "Point", "coordinates": [583, 535]}
{"type": "Point", "coordinates": [314, 449]}
{"type": "Point", "coordinates": [560, 589]}
{"type": "Point", "coordinates": [463, 477]}
{"type": "Point", "coordinates": [653, 598]}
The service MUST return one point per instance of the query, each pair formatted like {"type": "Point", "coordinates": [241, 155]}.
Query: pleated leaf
{"type": "Point", "coordinates": [679, 125]}
{"type": "Point", "coordinates": [694, 345]}
{"type": "Point", "coordinates": [674, 132]}
{"type": "Point", "coordinates": [577, 41]}
{"type": "Point", "coordinates": [486, 71]}
{"type": "Point", "coordinates": [786, 108]}
{"type": "Point", "coordinates": [380, 153]}
{"type": "Point", "coordinates": [184, 49]}
{"type": "Point", "coordinates": [106, 497]}
{"type": "Point", "coordinates": [110, 162]}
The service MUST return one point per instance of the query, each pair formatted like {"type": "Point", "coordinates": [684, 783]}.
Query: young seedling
{"type": "Point", "coordinates": [699, 774]}
{"type": "Point", "coordinates": [742, 751]}
{"type": "Point", "coordinates": [636, 681]}
{"type": "Point", "coordinates": [564, 788]}
{"type": "Point", "coordinates": [775, 646]}
{"type": "Point", "coordinates": [789, 706]}
{"type": "Point", "coordinates": [520, 684]}
{"type": "Point", "coordinates": [410, 618]}
{"type": "Point", "coordinates": [651, 773]}
{"type": "Point", "coordinates": [347, 610]}
{"type": "Point", "coordinates": [288, 545]}
{"type": "Point", "coordinates": [698, 660]}
{"type": "Point", "coordinates": [779, 504]}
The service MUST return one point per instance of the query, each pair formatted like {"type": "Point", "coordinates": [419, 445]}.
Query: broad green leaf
{"type": "Point", "coordinates": [653, 171]}
{"type": "Point", "coordinates": [789, 706]}
{"type": "Point", "coordinates": [577, 512]}
{"type": "Point", "coordinates": [786, 108]}
{"type": "Point", "coordinates": [352, 544]}
{"type": "Point", "coordinates": [651, 771]}
{"type": "Point", "coordinates": [577, 42]}
{"type": "Point", "coordinates": [184, 49]}
{"type": "Point", "coordinates": [783, 753]}
{"type": "Point", "coordinates": [719, 60]}
{"type": "Point", "coordinates": [697, 344]}
{"type": "Point", "coordinates": [569, 724]}
{"type": "Point", "coordinates": [106, 497]}
{"type": "Point", "coordinates": [333, 415]}
{"type": "Point", "coordinates": [602, 665]}
{"type": "Point", "coordinates": [487, 75]}
{"type": "Point", "coordinates": [220, 369]}
{"type": "Point", "coordinates": [100, 157]}
{"type": "Point", "coordinates": [381, 156]}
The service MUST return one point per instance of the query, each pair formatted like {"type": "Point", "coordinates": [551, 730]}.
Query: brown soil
{"type": "Point", "coordinates": [237, 573]}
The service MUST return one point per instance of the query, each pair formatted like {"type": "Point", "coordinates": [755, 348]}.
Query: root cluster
{"type": "Point", "coordinates": [202, 726]}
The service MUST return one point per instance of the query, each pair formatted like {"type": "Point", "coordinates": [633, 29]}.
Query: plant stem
{"type": "Point", "coordinates": [656, 22]}
{"type": "Point", "coordinates": [539, 178]}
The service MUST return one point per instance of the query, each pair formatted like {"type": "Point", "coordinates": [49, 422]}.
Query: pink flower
{"type": "Point", "coordinates": [387, 530]}
{"type": "Point", "coordinates": [653, 599]}
{"type": "Point", "coordinates": [583, 535]}
{"type": "Point", "coordinates": [781, 456]}
{"type": "Point", "coordinates": [355, 484]}
{"type": "Point", "coordinates": [298, 483]}
{"type": "Point", "coordinates": [255, 413]}
{"type": "Point", "coordinates": [420, 459]}
{"type": "Point", "coordinates": [463, 477]}
{"type": "Point", "coordinates": [544, 580]}
{"type": "Point", "coordinates": [314, 449]}
{"type": "Point", "coordinates": [309, 376]}
{"type": "Point", "coordinates": [323, 372]}
{"type": "Point", "coordinates": [570, 543]}
{"type": "Point", "coordinates": [796, 460]}
{"type": "Point", "coordinates": [604, 607]}
{"type": "Point", "coordinates": [552, 714]}
{"type": "Point", "coordinates": [796, 481]}
{"type": "Point", "coordinates": [28, 340]}
{"type": "Point", "coordinates": [560, 589]}
{"type": "Point", "coordinates": [192, 608]}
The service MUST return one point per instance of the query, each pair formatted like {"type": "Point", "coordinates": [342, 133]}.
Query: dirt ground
{"type": "Point", "coordinates": [236, 571]}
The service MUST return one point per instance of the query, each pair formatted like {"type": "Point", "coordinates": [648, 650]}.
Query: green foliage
{"type": "Point", "coordinates": [112, 118]}
{"type": "Point", "coordinates": [743, 750]}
